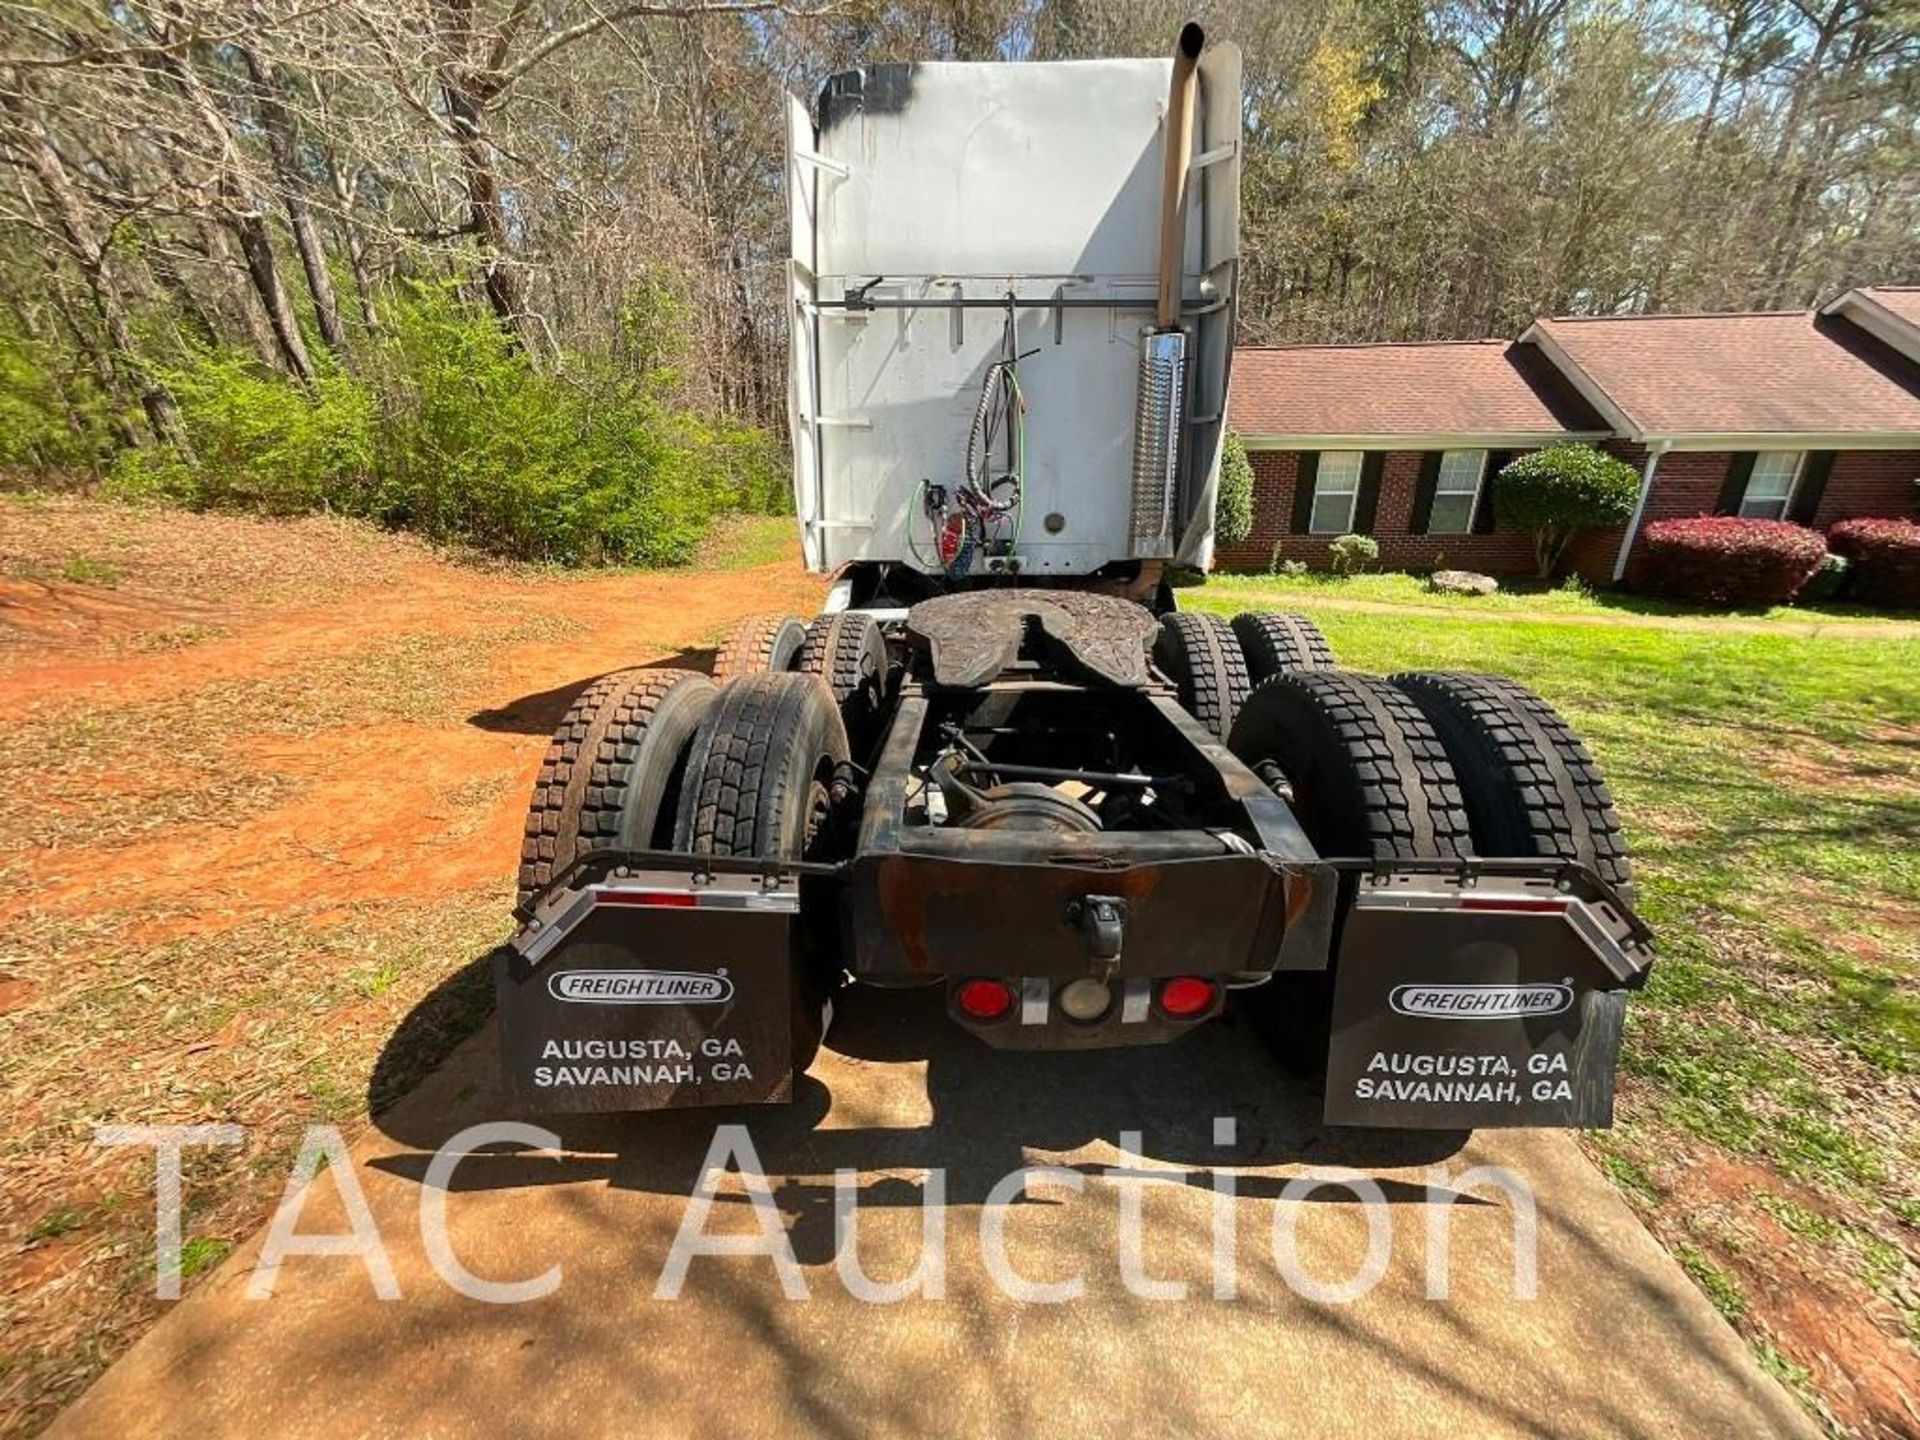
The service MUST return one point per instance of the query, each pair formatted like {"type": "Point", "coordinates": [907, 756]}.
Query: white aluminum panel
{"type": "Point", "coordinates": [947, 180]}
{"type": "Point", "coordinates": [802, 339]}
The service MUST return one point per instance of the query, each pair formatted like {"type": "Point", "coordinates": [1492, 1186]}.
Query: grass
{"type": "Point", "coordinates": [1769, 780]}
{"type": "Point", "coordinates": [85, 570]}
{"type": "Point", "coordinates": [1720, 1287]}
{"type": "Point", "coordinates": [54, 1224]}
{"type": "Point", "coordinates": [276, 1024]}
{"type": "Point", "coordinates": [201, 1254]}
{"type": "Point", "coordinates": [746, 542]}
{"type": "Point", "coordinates": [1515, 598]}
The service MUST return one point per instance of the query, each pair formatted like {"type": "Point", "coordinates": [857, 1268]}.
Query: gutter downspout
{"type": "Point", "coordinates": [1654, 451]}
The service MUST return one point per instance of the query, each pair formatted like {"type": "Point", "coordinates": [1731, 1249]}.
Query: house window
{"type": "Point", "coordinates": [1336, 488]}
{"type": "Point", "coordinates": [1770, 485]}
{"type": "Point", "coordinates": [1456, 492]}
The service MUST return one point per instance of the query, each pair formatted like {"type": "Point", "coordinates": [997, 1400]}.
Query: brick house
{"type": "Point", "coordinates": [1810, 416]}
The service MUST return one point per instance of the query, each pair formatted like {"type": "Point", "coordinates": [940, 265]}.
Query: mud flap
{"type": "Point", "coordinates": [1498, 1006]}
{"type": "Point", "coordinates": [650, 993]}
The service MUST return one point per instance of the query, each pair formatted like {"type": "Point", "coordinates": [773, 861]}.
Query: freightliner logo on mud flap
{"type": "Point", "coordinates": [1480, 1002]}
{"type": "Point", "coordinates": [639, 987]}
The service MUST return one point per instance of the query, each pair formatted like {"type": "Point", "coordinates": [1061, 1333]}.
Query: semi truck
{"type": "Point", "coordinates": [1003, 761]}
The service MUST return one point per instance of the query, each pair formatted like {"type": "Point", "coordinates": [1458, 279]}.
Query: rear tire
{"type": "Point", "coordinates": [758, 645]}
{"type": "Point", "coordinates": [611, 776]}
{"type": "Point", "coordinates": [1274, 641]}
{"type": "Point", "coordinates": [1199, 653]}
{"type": "Point", "coordinates": [1367, 776]}
{"type": "Point", "coordinates": [759, 783]}
{"type": "Point", "coordinates": [1531, 787]}
{"type": "Point", "coordinates": [849, 651]}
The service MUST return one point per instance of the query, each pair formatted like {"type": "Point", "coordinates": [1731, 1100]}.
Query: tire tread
{"type": "Point", "coordinates": [588, 770]}
{"type": "Point", "coordinates": [1532, 787]}
{"type": "Point", "coordinates": [758, 645]}
{"type": "Point", "coordinates": [1386, 779]}
{"type": "Point", "coordinates": [1277, 640]}
{"type": "Point", "coordinates": [1201, 654]}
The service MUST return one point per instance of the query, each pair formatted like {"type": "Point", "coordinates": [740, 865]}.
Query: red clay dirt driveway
{"type": "Point", "coordinates": [264, 794]}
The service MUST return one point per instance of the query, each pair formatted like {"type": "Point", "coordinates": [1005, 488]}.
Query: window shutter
{"type": "Point", "coordinates": [1813, 484]}
{"type": "Point", "coordinates": [1739, 471]}
{"type": "Point", "coordinates": [1423, 489]}
{"type": "Point", "coordinates": [1367, 503]}
{"type": "Point", "coordinates": [1306, 468]}
{"type": "Point", "coordinates": [1483, 520]}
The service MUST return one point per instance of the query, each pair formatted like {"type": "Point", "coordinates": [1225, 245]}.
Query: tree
{"type": "Point", "coordinates": [177, 177]}
{"type": "Point", "coordinates": [1555, 494]}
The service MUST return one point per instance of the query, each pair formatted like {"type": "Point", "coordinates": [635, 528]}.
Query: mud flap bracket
{"type": "Point", "coordinates": [1490, 1003]}
{"type": "Point", "coordinates": [652, 991]}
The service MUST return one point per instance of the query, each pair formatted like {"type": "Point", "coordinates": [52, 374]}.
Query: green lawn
{"type": "Point", "coordinates": [1770, 785]}
{"type": "Point", "coordinates": [1573, 599]}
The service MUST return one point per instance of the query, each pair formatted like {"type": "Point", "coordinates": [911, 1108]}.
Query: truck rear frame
{"type": "Point", "coordinates": [1003, 761]}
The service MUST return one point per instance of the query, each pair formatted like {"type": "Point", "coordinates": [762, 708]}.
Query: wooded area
{"type": "Point", "coordinates": [275, 195]}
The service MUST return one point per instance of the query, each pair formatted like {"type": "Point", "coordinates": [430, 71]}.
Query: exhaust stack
{"type": "Point", "coordinates": [1173, 186]}
{"type": "Point", "coordinates": [1161, 407]}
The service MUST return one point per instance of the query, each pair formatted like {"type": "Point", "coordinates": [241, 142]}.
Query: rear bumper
{"type": "Point", "coordinates": [928, 915]}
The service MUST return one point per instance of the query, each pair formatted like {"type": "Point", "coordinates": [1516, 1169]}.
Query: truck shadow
{"type": "Point", "coordinates": [540, 713]}
{"type": "Point", "coordinates": [900, 1092]}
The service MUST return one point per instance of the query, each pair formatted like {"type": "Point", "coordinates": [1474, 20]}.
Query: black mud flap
{"type": "Point", "coordinates": [652, 992]}
{"type": "Point", "coordinates": [1479, 1007]}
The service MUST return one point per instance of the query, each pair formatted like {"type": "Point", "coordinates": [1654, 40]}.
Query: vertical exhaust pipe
{"type": "Point", "coordinates": [1160, 410]}
{"type": "Point", "coordinates": [1176, 170]}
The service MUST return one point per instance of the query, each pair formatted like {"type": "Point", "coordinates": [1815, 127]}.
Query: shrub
{"type": "Point", "coordinates": [1721, 560]}
{"type": "Point", "coordinates": [1351, 553]}
{"type": "Point", "coordinates": [51, 422]}
{"type": "Point", "coordinates": [1885, 556]}
{"type": "Point", "coordinates": [1556, 493]}
{"type": "Point", "coordinates": [1233, 518]}
{"type": "Point", "coordinates": [446, 428]}
{"type": "Point", "coordinates": [259, 441]}
{"type": "Point", "coordinates": [1292, 569]}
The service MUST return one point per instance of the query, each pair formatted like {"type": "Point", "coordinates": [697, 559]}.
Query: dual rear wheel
{"type": "Point", "coordinates": [1432, 765]}
{"type": "Point", "coordinates": [1421, 766]}
{"type": "Point", "coordinates": [1216, 663]}
{"type": "Point", "coordinates": [747, 768]}
{"type": "Point", "coordinates": [1424, 765]}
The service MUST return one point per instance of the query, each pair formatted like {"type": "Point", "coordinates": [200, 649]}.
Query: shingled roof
{"type": "Point", "coordinates": [1778, 373]}
{"type": "Point", "coordinates": [1890, 312]}
{"type": "Point", "coordinates": [1902, 300]}
{"type": "Point", "coordinates": [1491, 391]}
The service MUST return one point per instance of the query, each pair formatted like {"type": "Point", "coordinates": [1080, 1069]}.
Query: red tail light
{"type": "Point", "coordinates": [1186, 996]}
{"type": "Point", "coordinates": [1514, 902]}
{"type": "Point", "coordinates": [672, 899]}
{"type": "Point", "coordinates": [984, 999]}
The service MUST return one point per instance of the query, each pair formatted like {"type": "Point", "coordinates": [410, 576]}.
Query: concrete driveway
{"type": "Point", "coordinates": [1617, 1341]}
